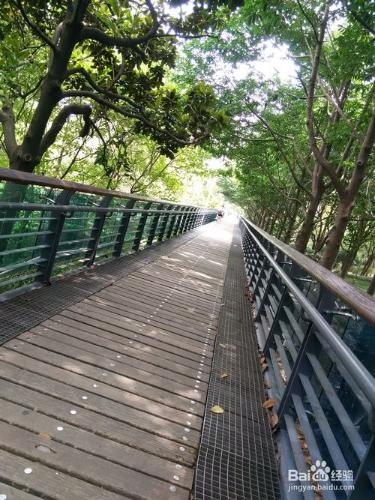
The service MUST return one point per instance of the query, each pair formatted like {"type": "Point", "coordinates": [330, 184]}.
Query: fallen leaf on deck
{"type": "Point", "coordinates": [274, 420]}
{"type": "Point", "coordinates": [217, 409]}
{"type": "Point", "coordinates": [224, 375]}
{"type": "Point", "coordinates": [222, 345]}
{"type": "Point", "coordinates": [45, 435]}
{"type": "Point", "coordinates": [270, 403]}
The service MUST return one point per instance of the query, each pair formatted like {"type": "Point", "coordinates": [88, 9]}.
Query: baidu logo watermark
{"type": "Point", "coordinates": [320, 477]}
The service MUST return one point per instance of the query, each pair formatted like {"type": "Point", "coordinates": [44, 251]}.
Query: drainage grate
{"type": "Point", "coordinates": [236, 459]}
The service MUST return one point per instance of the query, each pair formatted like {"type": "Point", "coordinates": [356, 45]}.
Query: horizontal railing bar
{"type": "Point", "coordinates": [36, 207]}
{"type": "Point", "coordinates": [362, 303]}
{"type": "Point", "coordinates": [71, 242]}
{"type": "Point", "coordinates": [360, 374]}
{"type": "Point", "coordinates": [67, 253]}
{"type": "Point", "coordinates": [19, 177]}
{"type": "Point", "coordinates": [33, 219]}
{"type": "Point", "coordinates": [20, 250]}
{"type": "Point", "coordinates": [19, 278]}
{"type": "Point", "coordinates": [32, 262]}
{"type": "Point", "coordinates": [24, 235]}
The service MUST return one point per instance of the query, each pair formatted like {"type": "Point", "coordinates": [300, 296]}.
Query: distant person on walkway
{"type": "Point", "coordinates": [220, 214]}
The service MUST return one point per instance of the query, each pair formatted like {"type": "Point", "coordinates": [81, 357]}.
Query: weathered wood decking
{"type": "Point", "coordinates": [105, 400]}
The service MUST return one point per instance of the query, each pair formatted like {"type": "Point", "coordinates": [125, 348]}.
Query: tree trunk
{"type": "Point", "coordinates": [307, 227]}
{"type": "Point", "coordinates": [368, 263]}
{"type": "Point", "coordinates": [371, 288]}
{"type": "Point", "coordinates": [28, 154]}
{"type": "Point", "coordinates": [347, 202]}
{"type": "Point", "coordinates": [348, 261]}
{"type": "Point", "coordinates": [292, 220]}
{"type": "Point", "coordinates": [335, 238]}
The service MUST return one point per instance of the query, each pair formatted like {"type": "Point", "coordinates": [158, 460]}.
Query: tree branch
{"type": "Point", "coordinates": [130, 114]}
{"type": "Point", "coordinates": [33, 26]}
{"type": "Point", "coordinates": [101, 90]}
{"type": "Point", "coordinates": [282, 151]}
{"type": "Point", "coordinates": [310, 108]}
{"type": "Point", "coordinates": [60, 120]}
{"type": "Point", "coordinates": [103, 38]}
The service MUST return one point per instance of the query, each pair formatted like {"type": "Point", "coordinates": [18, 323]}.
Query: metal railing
{"type": "Point", "coordinates": [50, 227]}
{"type": "Point", "coordinates": [317, 337]}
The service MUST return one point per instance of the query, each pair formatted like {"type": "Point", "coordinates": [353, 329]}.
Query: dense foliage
{"type": "Point", "coordinates": [141, 94]}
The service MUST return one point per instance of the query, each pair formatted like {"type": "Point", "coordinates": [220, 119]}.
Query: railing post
{"type": "Point", "coordinates": [172, 222]}
{"type": "Point", "coordinates": [186, 220]}
{"type": "Point", "coordinates": [193, 219]}
{"type": "Point", "coordinates": [298, 367]}
{"type": "Point", "coordinates": [154, 225]}
{"type": "Point", "coordinates": [52, 240]}
{"type": "Point", "coordinates": [97, 231]}
{"type": "Point", "coordinates": [141, 226]}
{"type": "Point", "coordinates": [180, 219]}
{"type": "Point", "coordinates": [123, 227]}
{"type": "Point", "coordinates": [363, 488]}
{"type": "Point", "coordinates": [164, 223]}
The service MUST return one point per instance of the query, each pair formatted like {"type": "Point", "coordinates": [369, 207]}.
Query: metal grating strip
{"type": "Point", "coordinates": [236, 459]}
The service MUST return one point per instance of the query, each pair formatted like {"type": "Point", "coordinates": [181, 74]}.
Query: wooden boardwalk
{"type": "Point", "coordinates": [105, 400]}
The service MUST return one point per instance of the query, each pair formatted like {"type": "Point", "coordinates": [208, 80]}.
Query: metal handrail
{"type": "Point", "coordinates": [361, 302]}
{"type": "Point", "coordinates": [323, 389]}
{"type": "Point", "coordinates": [360, 374]}
{"type": "Point", "coordinates": [61, 236]}
{"type": "Point", "coordinates": [7, 174]}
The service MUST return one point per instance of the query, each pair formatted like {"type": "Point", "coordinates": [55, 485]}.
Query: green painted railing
{"type": "Point", "coordinates": [49, 227]}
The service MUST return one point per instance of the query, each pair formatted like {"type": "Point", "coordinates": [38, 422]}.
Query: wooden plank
{"type": "Point", "coordinates": [169, 282]}
{"type": "Point", "coordinates": [133, 337]}
{"type": "Point", "coordinates": [105, 373]}
{"type": "Point", "coordinates": [94, 444]}
{"type": "Point", "coordinates": [179, 305]}
{"type": "Point", "coordinates": [133, 375]}
{"type": "Point", "coordinates": [94, 422]}
{"type": "Point", "coordinates": [134, 357]}
{"type": "Point", "coordinates": [172, 299]}
{"type": "Point", "coordinates": [48, 482]}
{"type": "Point", "coordinates": [178, 294]}
{"type": "Point", "coordinates": [140, 419]}
{"type": "Point", "coordinates": [45, 337]}
{"type": "Point", "coordinates": [92, 386]}
{"type": "Point", "coordinates": [120, 321]}
{"type": "Point", "coordinates": [204, 280]}
{"type": "Point", "coordinates": [185, 332]}
{"type": "Point", "coordinates": [195, 287]}
{"type": "Point", "coordinates": [186, 328]}
{"type": "Point", "coordinates": [177, 314]}
{"type": "Point", "coordinates": [8, 492]}
{"type": "Point", "coordinates": [94, 470]}
{"type": "Point", "coordinates": [121, 344]}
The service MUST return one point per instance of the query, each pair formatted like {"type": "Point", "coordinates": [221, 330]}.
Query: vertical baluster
{"type": "Point", "coordinates": [96, 231]}
{"type": "Point", "coordinates": [123, 227]}
{"type": "Point", "coordinates": [163, 226]}
{"type": "Point", "coordinates": [154, 225]}
{"type": "Point", "coordinates": [55, 226]}
{"type": "Point", "coordinates": [172, 222]}
{"type": "Point", "coordinates": [176, 230]}
{"type": "Point", "coordinates": [141, 226]}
